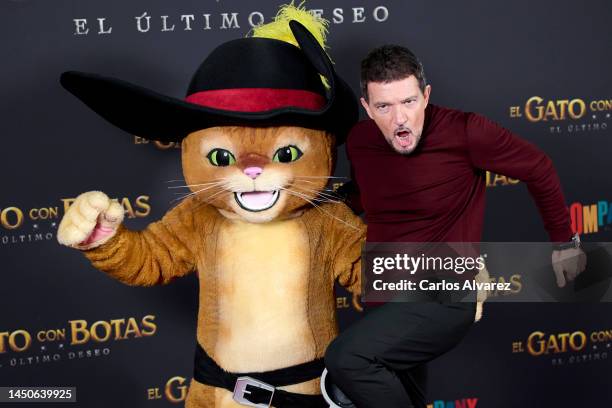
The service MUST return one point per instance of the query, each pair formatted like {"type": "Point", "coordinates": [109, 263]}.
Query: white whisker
{"type": "Point", "coordinates": [320, 177]}
{"type": "Point", "coordinates": [199, 191]}
{"type": "Point", "coordinates": [203, 202]}
{"type": "Point", "coordinates": [318, 207]}
{"type": "Point", "coordinates": [322, 193]}
{"type": "Point", "coordinates": [197, 185]}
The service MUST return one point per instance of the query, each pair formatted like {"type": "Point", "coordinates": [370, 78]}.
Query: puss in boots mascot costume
{"type": "Point", "coordinates": [258, 130]}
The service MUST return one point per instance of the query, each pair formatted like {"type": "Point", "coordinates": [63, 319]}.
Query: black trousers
{"type": "Point", "coordinates": [379, 361]}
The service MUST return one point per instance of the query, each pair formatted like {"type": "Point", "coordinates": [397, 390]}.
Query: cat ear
{"type": "Point", "coordinates": [313, 51]}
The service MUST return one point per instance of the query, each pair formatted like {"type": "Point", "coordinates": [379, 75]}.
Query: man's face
{"type": "Point", "coordinates": [398, 108]}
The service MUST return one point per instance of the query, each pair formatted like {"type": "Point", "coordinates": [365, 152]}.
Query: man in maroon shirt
{"type": "Point", "coordinates": [420, 171]}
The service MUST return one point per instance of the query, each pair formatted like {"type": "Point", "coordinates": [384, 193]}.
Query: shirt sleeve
{"type": "Point", "coordinates": [161, 252]}
{"type": "Point", "coordinates": [494, 148]}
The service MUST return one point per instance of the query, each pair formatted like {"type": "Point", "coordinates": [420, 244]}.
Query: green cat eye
{"type": "Point", "coordinates": [287, 154]}
{"type": "Point", "coordinates": [221, 157]}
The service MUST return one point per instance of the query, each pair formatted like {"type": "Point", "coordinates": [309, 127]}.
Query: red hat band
{"type": "Point", "coordinates": [257, 99]}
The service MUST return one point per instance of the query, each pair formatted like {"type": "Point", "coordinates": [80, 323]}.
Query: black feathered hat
{"type": "Point", "coordinates": [247, 82]}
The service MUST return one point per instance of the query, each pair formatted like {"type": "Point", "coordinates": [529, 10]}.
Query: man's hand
{"type": "Point", "coordinates": [567, 264]}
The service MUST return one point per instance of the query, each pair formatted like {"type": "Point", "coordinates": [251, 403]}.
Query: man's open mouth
{"type": "Point", "coordinates": [257, 200]}
{"type": "Point", "coordinates": [404, 138]}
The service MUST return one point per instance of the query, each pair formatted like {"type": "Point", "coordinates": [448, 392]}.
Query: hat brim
{"type": "Point", "coordinates": [143, 112]}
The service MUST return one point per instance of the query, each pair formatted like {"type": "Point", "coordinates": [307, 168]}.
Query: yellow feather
{"type": "Point", "coordinates": [279, 28]}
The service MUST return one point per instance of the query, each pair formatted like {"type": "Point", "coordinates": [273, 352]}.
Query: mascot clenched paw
{"type": "Point", "coordinates": [258, 129]}
{"type": "Point", "coordinates": [91, 221]}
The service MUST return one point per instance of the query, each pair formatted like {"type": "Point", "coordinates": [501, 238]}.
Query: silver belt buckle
{"type": "Point", "coordinates": [240, 390]}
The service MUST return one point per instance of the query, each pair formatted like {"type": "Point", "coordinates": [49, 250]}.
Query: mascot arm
{"type": "Point", "coordinates": [156, 255]}
{"type": "Point", "coordinates": [349, 234]}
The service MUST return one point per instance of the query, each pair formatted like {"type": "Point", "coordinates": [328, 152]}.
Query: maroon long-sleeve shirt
{"type": "Point", "coordinates": [437, 193]}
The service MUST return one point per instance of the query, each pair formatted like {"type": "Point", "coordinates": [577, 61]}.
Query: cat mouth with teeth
{"type": "Point", "coordinates": [256, 200]}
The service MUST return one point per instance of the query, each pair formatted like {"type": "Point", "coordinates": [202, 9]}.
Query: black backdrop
{"type": "Point", "coordinates": [488, 57]}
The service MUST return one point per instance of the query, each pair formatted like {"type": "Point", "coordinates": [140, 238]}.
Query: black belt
{"type": "Point", "coordinates": [259, 389]}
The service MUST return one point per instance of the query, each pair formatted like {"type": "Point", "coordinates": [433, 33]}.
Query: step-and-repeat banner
{"type": "Point", "coordinates": [541, 69]}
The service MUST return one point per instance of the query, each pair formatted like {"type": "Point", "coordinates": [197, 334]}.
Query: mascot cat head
{"type": "Point", "coordinates": [258, 174]}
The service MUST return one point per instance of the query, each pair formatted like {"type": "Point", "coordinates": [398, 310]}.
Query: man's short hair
{"type": "Point", "coordinates": [390, 63]}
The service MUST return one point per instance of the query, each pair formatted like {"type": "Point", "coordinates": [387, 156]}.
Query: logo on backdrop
{"type": "Point", "coordinates": [174, 390]}
{"type": "Point", "coordinates": [22, 347]}
{"type": "Point", "coordinates": [574, 115]}
{"type": "Point", "coordinates": [23, 225]}
{"type": "Point", "coordinates": [458, 403]}
{"type": "Point", "coordinates": [201, 21]}
{"type": "Point", "coordinates": [515, 285]}
{"type": "Point", "coordinates": [159, 145]}
{"type": "Point", "coordinates": [592, 217]}
{"type": "Point", "coordinates": [564, 349]}
{"type": "Point", "coordinates": [495, 180]}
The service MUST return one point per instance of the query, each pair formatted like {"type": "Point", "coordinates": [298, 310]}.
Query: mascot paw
{"type": "Point", "coordinates": [90, 221]}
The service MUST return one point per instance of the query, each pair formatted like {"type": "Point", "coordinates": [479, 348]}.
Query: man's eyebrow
{"type": "Point", "coordinates": [408, 98]}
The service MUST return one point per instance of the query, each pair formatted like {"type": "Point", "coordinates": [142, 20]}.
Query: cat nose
{"type": "Point", "coordinates": [253, 172]}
